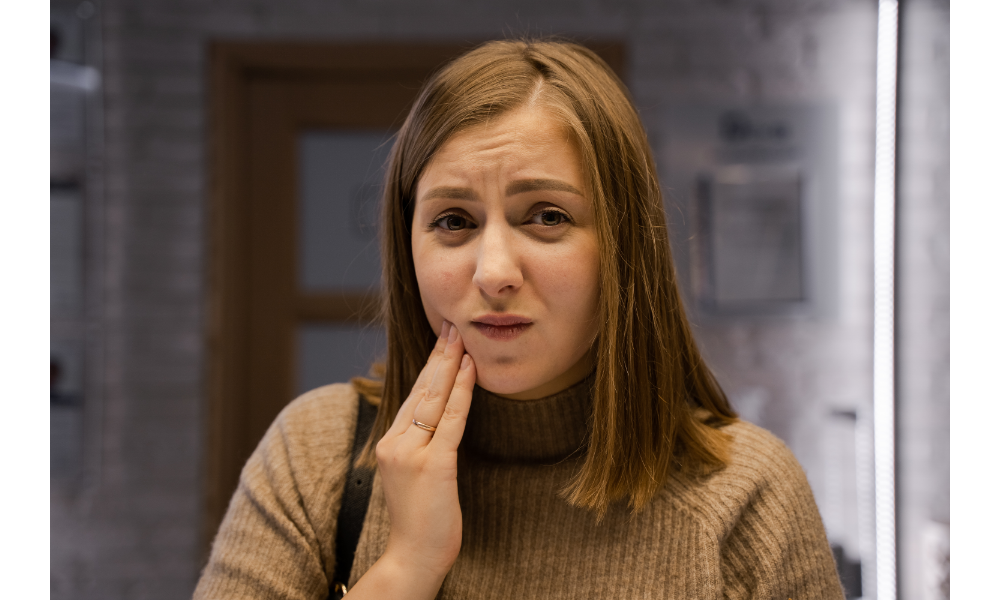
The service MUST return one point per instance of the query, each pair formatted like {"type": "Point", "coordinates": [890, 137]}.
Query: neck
{"type": "Point", "coordinates": [542, 429]}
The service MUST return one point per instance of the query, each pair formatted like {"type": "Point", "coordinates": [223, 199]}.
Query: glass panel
{"type": "Point", "coordinates": [340, 182]}
{"type": "Point", "coordinates": [65, 408]}
{"type": "Point", "coordinates": [75, 251]}
{"type": "Point", "coordinates": [335, 353]}
{"type": "Point", "coordinates": [65, 252]}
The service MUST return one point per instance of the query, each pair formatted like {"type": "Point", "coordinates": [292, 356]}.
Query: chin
{"type": "Point", "coordinates": [506, 380]}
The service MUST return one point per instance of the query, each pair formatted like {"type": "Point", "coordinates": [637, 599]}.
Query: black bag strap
{"type": "Point", "coordinates": [354, 505]}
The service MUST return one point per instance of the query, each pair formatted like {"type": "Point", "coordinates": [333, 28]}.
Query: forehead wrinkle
{"type": "Point", "coordinates": [540, 185]}
{"type": "Point", "coordinates": [448, 192]}
{"type": "Point", "coordinates": [494, 157]}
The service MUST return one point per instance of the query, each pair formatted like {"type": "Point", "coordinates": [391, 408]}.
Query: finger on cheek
{"type": "Point", "coordinates": [451, 427]}
{"type": "Point", "coordinates": [467, 371]}
{"type": "Point", "coordinates": [447, 369]}
{"type": "Point", "coordinates": [465, 382]}
{"type": "Point", "coordinates": [456, 345]}
{"type": "Point", "coordinates": [430, 368]}
{"type": "Point", "coordinates": [439, 345]}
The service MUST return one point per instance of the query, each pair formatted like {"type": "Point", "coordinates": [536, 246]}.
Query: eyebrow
{"type": "Point", "coordinates": [515, 187]}
{"type": "Point", "coordinates": [451, 193]}
{"type": "Point", "coordinates": [540, 185]}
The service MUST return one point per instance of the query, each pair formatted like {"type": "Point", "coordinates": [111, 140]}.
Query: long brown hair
{"type": "Point", "coordinates": [650, 377]}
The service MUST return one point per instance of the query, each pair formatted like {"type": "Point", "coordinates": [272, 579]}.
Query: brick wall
{"type": "Point", "coordinates": [132, 533]}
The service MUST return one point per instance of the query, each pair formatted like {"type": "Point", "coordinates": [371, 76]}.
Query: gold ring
{"type": "Point", "coordinates": [424, 426]}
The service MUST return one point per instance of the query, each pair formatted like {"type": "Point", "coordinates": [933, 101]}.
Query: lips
{"type": "Point", "coordinates": [501, 327]}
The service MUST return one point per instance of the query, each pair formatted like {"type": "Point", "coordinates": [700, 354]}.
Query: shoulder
{"type": "Point", "coordinates": [761, 469]}
{"type": "Point", "coordinates": [327, 409]}
{"type": "Point", "coordinates": [758, 454]}
{"type": "Point", "coordinates": [282, 517]}
{"type": "Point", "coordinates": [760, 513]}
{"type": "Point", "coordinates": [309, 443]}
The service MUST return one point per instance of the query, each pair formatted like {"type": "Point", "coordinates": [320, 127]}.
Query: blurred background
{"type": "Point", "coordinates": [214, 172]}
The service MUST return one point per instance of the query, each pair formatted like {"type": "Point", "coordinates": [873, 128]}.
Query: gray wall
{"type": "Point", "coordinates": [132, 530]}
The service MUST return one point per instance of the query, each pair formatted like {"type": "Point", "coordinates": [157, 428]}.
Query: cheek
{"type": "Point", "coordinates": [569, 284]}
{"type": "Point", "coordinates": [438, 280]}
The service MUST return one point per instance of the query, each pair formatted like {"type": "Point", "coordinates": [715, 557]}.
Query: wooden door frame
{"type": "Point", "coordinates": [233, 68]}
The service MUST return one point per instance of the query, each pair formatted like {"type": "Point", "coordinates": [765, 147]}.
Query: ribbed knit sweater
{"type": "Point", "coordinates": [750, 530]}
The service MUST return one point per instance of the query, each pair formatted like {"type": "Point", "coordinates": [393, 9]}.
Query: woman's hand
{"type": "Point", "coordinates": [419, 472]}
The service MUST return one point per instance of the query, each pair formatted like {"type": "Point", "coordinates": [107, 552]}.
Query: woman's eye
{"type": "Point", "coordinates": [550, 218]}
{"type": "Point", "coordinates": [452, 222]}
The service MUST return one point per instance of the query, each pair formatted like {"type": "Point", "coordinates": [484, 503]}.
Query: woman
{"type": "Point", "coordinates": [546, 427]}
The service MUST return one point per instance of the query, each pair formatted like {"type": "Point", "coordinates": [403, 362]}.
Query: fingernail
{"type": "Point", "coordinates": [453, 334]}
{"type": "Point", "coordinates": [444, 328]}
{"type": "Point", "coordinates": [466, 361]}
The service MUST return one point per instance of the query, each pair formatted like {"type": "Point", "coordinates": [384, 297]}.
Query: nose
{"type": "Point", "coordinates": [498, 269]}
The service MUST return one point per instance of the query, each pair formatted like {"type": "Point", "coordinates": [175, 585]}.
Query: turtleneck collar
{"type": "Point", "coordinates": [543, 430]}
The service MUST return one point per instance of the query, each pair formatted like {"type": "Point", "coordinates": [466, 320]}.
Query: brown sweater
{"type": "Point", "coordinates": [750, 530]}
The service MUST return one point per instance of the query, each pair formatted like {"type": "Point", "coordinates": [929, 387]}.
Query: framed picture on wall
{"type": "Point", "coordinates": [749, 252]}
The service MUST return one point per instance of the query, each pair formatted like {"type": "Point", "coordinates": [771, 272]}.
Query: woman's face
{"type": "Point", "coordinates": [504, 247]}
